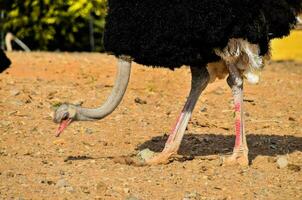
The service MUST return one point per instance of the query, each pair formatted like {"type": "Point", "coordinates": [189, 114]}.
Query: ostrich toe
{"type": "Point", "coordinates": [237, 158]}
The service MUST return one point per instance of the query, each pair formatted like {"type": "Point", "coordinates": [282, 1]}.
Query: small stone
{"type": "Point", "coordinates": [48, 182]}
{"type": "Point", "coordinates": [15, 92]}
{"type": "Point", "coordinates": [5, 123]}
{"type": "Point", "coordinates": [295, 168]}
{"type": "Point", "coordinates": [85, 189]}
{"type": "Point", "coordinates": [271, 160]}
{"type": "Point", "coordinates": [61, 150]}
{"type": "Point", "coordinates": [126, 190]}
{"type": "Point", "coordinates": [282, 162]}
{"type": "Point", "coordinates": [272, 146]}
{"type": "Point", "coordinates": [44, 162]}
{"type": "Point", "coordinates": [203, 109]}
{"type": "Point", "coordinates": [17, 103]}
{"type": "Point", "coordinates": [10, 174]}
{"type": "Point", "coordinates": [192, 196]}
{"type": "Point", "coordinates": [69, 189]}
{"type": "Point", "coordinates": [69, 162]}
{"type": "Point", "coordinates": [132, 198]}
{"type": "Point", "coordinates": [62, 183]}
{"type": "Point", "coordinates": [88, 131]}
{"type": "Point", "coordinates": [219, 91]}
{"type": "Point", "coordinates": [292, 119]}
{"type": "Point", "coordinates": [145, 154]}
{"type": "Point", "coordinates": [139, 101]}
{"type": "Point", "coordinates": [101, 188]}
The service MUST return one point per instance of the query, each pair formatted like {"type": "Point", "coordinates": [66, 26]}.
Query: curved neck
{"type": "Point", "coordinates": [114, 99]}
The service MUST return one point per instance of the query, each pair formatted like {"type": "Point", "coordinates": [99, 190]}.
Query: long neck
{"type": "Point", "coordinates": [114, 99]}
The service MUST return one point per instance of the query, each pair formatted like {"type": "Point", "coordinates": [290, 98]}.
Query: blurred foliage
{"type": "Point", "coordinates": [55, 24]}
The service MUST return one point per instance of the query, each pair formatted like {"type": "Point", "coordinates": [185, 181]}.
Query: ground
{"type": "Point", "coordinates": [80, 164]}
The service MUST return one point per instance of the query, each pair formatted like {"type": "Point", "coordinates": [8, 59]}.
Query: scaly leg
{"type": "Point", "coordinates": [200, 79]}
{"type": "Point", "coordinates": [240, 152]}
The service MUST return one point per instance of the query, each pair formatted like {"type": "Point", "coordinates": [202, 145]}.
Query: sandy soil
{"type": "Point", "coordinates": [36, 165]}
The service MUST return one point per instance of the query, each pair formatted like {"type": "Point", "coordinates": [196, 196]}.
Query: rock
{"type": "Point", "coordinates": [139, 101]}
{"type": "Point", "coordinates": [295, 168]}
{"type": "Point", "coordinates": [145, 154]}
{"type": "Point", "coordinates": [192, 196]}
{"type": "Point", "coordinates": [271, 159]}
{"type": "Point", "coordinates": [219, 91]}
{"type": "Point", "coordinates": [5, 123]}
{"type": "Point", "coordinates": [17, 103]}
{"type": "Point", "coordinates": [10, 174]}
{"type": "Point", "coordinates": [203, 109]}
{"type": "Point", "coordinates": [85, 189]}
{"type": "Point", "coordinates": [69, 189]}
{"type": "Point", "coordinates": [15, 92]}
{"type": "Point", "coordinates": [282, 162]}
{"type": "Point", "coordinates": [62, 183]}
{"type": "Point", "coordinates": [48, 182]}
{"type": "Point", "coordinates": [101, 188]}
{"type": "Point", "coordinates": [132, 198]}
{"type": "Point", "coordinates": [126, 190]}
{"type": "Point", "coordinates": [88, 131]}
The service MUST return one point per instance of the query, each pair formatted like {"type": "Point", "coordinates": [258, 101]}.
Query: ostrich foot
{"type": "Point", "coordinates": [239, 157]}
{"type": "Point", "coordinates": [161, 158]}
{"type": "Point", "coordinates": [144, 158]}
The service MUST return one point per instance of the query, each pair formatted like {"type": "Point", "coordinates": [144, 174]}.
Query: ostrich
{"type": "Point", "coordinates": [216, 38]}
{"type": "Point", "coordinates": [9, 37]}
{"type": "Point", "coordinates": [4, 61]}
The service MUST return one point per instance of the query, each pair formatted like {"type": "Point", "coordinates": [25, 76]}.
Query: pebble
{"type": "Point", "coordinates": [17, 103]}
{"type": "Point", "coordinates": [126, 190]}
{"type": "Point", "coordinates": [88, 131]}
{"type": "Point", "coordinates": [10, 174]}
{"type": "Point", "coordinates": [5, 123]}
{"type": "Point", "coordinates": [101, 188]}
{"type": "Point", "coordinates": [132, 198]}
{"type": "Point", "coordinates": [203, 109]}
{"type": "Point", "coordinates": [271, 159]}
{"type": "Point", "coordinates": [145, 154]}
{"type": "Point", "coordinates": [62, 183]}
{"type": "Point", "coordinates": [295, 168]}
{"type": "Point", "coordinates": [139, 101]}
{"type": "Point", "coordinates": [85, 189]}
{"type": "Point", "coordinates": [282, 162]}
{"type": "Point", "coordinates": [15, 92]}
{"type": "Point", "coordinates": [69, 189]}
{"type": "Point", "coordinates": [192, 196]}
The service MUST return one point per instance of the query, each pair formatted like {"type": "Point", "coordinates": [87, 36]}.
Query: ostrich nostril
{"type": "Point", "coordinates": [65, 116]}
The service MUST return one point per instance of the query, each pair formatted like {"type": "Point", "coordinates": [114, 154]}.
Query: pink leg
{"type": "Point", "coordinates": [240, 152]}
{"type": "Point", "coordinates": [200, 79]}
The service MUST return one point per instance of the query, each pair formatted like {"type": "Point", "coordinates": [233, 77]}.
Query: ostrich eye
{"type": "Point", "coordinates": [65, 116]}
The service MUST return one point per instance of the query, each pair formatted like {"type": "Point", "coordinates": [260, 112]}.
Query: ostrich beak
{"type": "Point", "coordinates": [63, 125]}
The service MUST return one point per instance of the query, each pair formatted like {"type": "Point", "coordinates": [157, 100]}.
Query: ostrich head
{"type": "Point", "coordinates": [67, 113]}
{"type": "Point", "coordinates": [64, 115]}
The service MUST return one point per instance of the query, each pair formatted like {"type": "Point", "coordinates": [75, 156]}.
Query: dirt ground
{"type": "Point", "coordinates": [34, 164]}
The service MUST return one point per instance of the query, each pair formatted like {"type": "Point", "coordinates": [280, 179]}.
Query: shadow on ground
{"type": "Point", "coordinates": [212, 144]}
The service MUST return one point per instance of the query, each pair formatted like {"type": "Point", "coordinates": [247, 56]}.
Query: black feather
{"type": "Point", "coordinates": [4, 61]}
{"type": "Point", "coordinates": [172, 33]}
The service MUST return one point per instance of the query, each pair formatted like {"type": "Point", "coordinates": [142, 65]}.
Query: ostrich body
{"type": "Point", "coordinates": [216, 38]}
{"type": "Point", "coordinates": [4, 61]}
